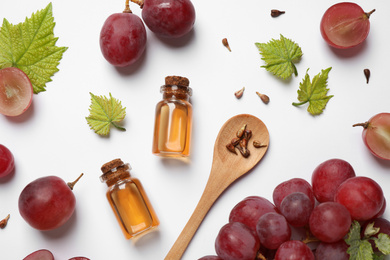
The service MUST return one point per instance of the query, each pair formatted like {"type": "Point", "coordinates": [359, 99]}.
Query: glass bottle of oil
{"type": "Point", "coordinates": [173, 119]}
{"type": "Point", "coordinates": [128, 200]}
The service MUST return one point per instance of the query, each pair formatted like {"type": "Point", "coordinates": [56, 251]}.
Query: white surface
{"type": "Point", "coordinates": [53, 137]}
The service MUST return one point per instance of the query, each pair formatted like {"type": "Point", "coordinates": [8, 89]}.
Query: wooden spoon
{"type": "Point", "coordinates": [226, 168]}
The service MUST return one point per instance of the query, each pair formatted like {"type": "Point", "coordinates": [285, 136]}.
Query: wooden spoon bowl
{"type": "Point", "coordinates": [226, 168]}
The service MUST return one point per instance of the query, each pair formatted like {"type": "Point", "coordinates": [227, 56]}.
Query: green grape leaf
{"type": "Point", "coordinates": [105, 112]}
{"type": "Point", "coordinates": [314, 92]}
{"type": "Point", "coordinates": [383, 243]}
{"type": "Point", "coordinates": [30, 46]}
{"type": "Point", "coordinates": [279, 56]}
{"type": "Point", "coordinates": [358, 249]}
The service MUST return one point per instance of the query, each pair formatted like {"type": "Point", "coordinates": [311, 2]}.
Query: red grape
{"type": "Point", "coordinates": [249, 210]}
{"type": "Point", "coordinates": [16, 91]}
{"type": "Point", "coordinates": [47, 203]}
{"type": "Point", "coordinates": [332, 251]}
{"type": "Point", "coordinates": [328, 176]}
{"type": "Point", "coordinates": [294, 250]}
{"type": "Point", "coordinates": [376, 135]}
{"type": "Point", "coordinates": [7, 162]}
{"type": "Point", "coordinates": [210, 257]}
{"type": "Point", "coordinates": [296, 208]}
{"type": "Point", "coordinates": [42, 254]}
{"type": "Point", "coordinates": [273, 230]}
{"type": "Point", "coordinates": [290, 186]}
{"type": "Point", "coordinates": [330, 222]}
{"type": "Point", "coordinates": [235, 241]}
{"type": "Point", "coordinates": [362, 196]}
{"type": "Point", "coordinates": [122, 39]}
{"type": "Point", "coordinates": [169, 18]}
{"type": "Point", "coordinates": [345, 25]}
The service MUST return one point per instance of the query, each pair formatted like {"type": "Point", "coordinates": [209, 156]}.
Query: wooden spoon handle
{"type": "Point", "coordinates": [208, 198]}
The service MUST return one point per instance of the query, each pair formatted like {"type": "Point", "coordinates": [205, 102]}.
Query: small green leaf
{"type": "Point", "coordinates": [314, 92]}
{"type": "Point", "coordinates": [105, 112]}
{"type": "Point", "coordinates": [383, 243]}
{"type": "Point", "coordinates": [30, 46]}
{"type": "Point", "coordinates": [279, 56]}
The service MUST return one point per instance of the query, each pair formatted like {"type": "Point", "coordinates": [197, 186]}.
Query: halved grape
{"type": "Point", "coordinates": [376, 135]}
{"type": "Point", "coordinates": [16, 91]}
{"type": "Point", "coordinates": [123, 39]}
{"type": "Point", "coordinates": [42, 254]}
{"type": "Point", "coordinates": [169, 18]}
{"type": "Point", "coordinates": [345, 25]}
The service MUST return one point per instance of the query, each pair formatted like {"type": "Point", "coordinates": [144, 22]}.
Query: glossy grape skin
{"type": "Point", "coordinates": [293, 185]}
{"type": "Point", "coordinates": [122, 39]}
{"type": "Point", "coordinates": [376, 135]}
{"type": "Point", "coordinates": [42, 254]}
{"type": "Point", "coordinates": [249, 210]}
{"type": "Point", "coordinates": [235, 241]}
{"type": "Point", "coordinates": [46, 203]}
{"type": "Point", "coordinates": [16, 92]}
{"type": "Point", "coordinates": [330, 222]}
{"type": "Point", "coordinates": [332, 251]}
{"type": "Point", "coordinates": [362, 196]}
{"type": "Point", "coordinates": [210, 257]}
{"type": "Point", "coordinates": [273, 230]}
{"type": "Point", "coordinates": [345, 25]}
{"type": "Point", "coordinates": [7, 162]}
{"type": "Point", "coordinates": [169, 18]}
{"type": "Point", "coordinates": [328, 176]}
{"type": "Point", "coordinates": [296, 208]}
{"type": "Point", "coordinates": [294, 250]}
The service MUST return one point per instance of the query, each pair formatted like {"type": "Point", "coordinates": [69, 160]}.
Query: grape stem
{"type": "Point", "coordinates": [139, 2]}
{"type": "Point", "coordinates": [127, 7]}
{"type": "Point", "coordinates": [365, 125]}
{"type": "Point", "coordinates": [369, 13]}
{"type": "Point", "coordinates": [71, 184]}
{"type": "Point", "coordinates": [260, 257]}
{"type": "Point", "coordinates": [310, 238]}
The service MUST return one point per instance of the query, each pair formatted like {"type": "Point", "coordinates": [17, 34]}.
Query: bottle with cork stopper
{"type": "Point", "coordinates": [173, 119]}
{"type": "Point", "coordinates": [128, 200]}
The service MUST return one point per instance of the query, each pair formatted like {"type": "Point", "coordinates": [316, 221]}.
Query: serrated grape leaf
{"type": "Point", "coordinates": [383, 243]}
{"type": "Point", "coordinates": [359, 249]}
{"type": "Point", "coordinates": [105, 112]}
{"type": "Point", "coordinates": [30, 46]}
{"type": "Point", "coordinates": [279, 56]}
{"type": "Point", "coordinates": [314, 92]}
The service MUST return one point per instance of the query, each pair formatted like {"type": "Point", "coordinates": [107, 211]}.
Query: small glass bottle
{"type": "Point", "coordinates": [173, 120]}
{"type": "Point", "coordinates": [128, 200]}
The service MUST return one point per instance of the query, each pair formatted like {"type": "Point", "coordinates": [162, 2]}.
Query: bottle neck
{"type": "Point", "coordinates": [177, 92]}
{"type": "Point", "coordinates": [116, 174]}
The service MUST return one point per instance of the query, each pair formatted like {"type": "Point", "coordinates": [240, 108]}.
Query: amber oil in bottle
{"type": "Point", "coordinates": [128, 200]}
{"type": "Point", "coordinates": [173, 119]}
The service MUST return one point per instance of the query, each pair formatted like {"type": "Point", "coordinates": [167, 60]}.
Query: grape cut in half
{"type": "Point", "coordinates": [345, 25]}
{"type": "Point", "coordinates": [16, 91]}
{"type": "Point", "coordinates": [376, 135]}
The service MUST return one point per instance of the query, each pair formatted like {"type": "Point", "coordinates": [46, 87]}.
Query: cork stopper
{"type": "Point", "coordinates": [111, 165]}
{"type": "Point", "coordinates": [177, 81]}
{"type": "Point", "coordinates": [114, 171]}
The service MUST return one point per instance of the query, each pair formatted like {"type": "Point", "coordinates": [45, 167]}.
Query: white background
{"type": "Point", "coordinates": [53, 138]}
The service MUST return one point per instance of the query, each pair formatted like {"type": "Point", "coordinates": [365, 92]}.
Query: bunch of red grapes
{"type": "Point", "coordinates": [325, 209]}
{"type": "Point", "coordinates": [123, 36]}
